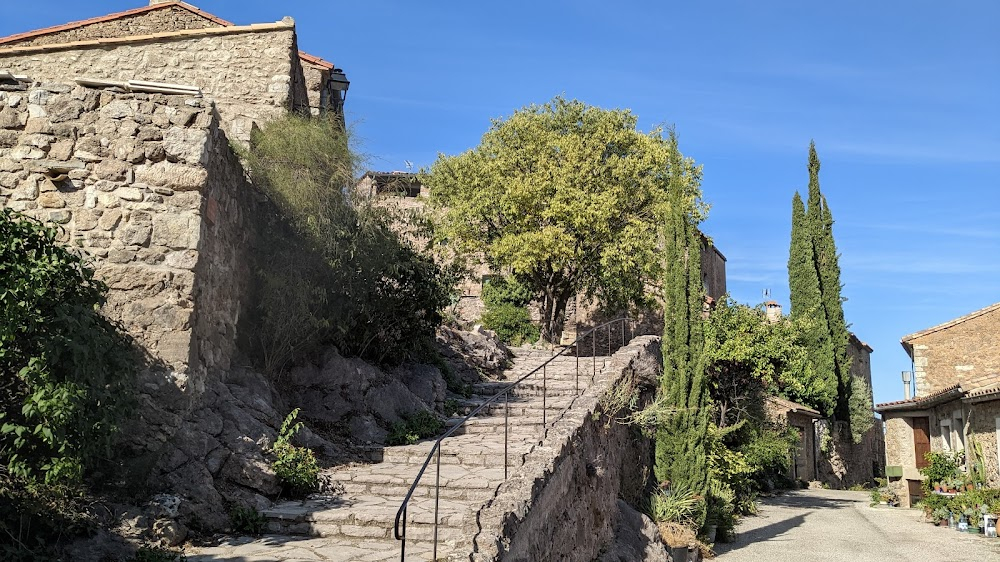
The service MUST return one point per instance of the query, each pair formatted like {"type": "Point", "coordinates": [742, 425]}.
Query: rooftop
{"type": "Point", "coordinates": [10, 41]}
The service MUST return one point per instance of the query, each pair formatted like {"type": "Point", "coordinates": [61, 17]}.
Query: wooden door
{"type": "Point", "coordinates": [921, 439]}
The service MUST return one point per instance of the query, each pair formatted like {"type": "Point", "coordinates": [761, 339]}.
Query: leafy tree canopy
{"type": "Point", "coordinates": [749, 357]}
{"type": "Point", "coordinates": [565, 196]}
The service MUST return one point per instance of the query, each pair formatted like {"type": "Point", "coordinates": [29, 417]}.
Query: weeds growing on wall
{"type": "Point", "coordinates": [330, 270]}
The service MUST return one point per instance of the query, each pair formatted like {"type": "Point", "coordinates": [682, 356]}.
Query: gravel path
{"type": "Point", "coordinates": [835, 526]}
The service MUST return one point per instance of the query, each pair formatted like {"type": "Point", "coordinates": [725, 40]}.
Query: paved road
{"type": "Point", "coordinates": [839, 526]}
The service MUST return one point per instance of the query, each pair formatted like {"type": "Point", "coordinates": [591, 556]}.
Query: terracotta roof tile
{"type": "Point", "coordinates": [793, 406]}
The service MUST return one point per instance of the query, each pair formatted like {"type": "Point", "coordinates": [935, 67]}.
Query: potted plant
{"type": "Point", "coordinates": [972, 517]}
{"type": "Point", "coordinates": [940, 516]}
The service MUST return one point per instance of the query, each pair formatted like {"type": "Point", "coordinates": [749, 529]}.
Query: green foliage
{"type": "Point", "coordinates": [565, 196]}
{"type": "Point", "coordinates": [247, 520]}
{"type": "Point", "coordinates": [511, 323]}
{"type": "Point", "coordinates": [681, 447]}
{"type": "Point", "coordinates": [677, 504]}
{"type": "Point", "coordinates": [815, 293]}
{"type": "Point", "coordinates": [505, 290]}
{"type": "Point", "coordinates": [66, 372]}
{"type": "Point", "coordinates": [295, 467]}
{"type": "Point", "coordinates": [330, 269]}
{"type": "Point", "coordinates": [941, 467]}
{"type": "Point", "coordinates": [420, 425]}
{"type": "Point", "coordinates": [749, 357]}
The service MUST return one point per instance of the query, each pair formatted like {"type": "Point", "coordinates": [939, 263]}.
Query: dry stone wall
{"type": "Point", "coordinates": [147, 186]}
{"type": "Point", "coordinates": [144, 23]}
{"type": "Point", "coordinates": [252, 73]}
{"type": "Point", "coordinates": [562, 503]}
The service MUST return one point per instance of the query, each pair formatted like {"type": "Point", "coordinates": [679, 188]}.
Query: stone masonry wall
{"type": "Point", "coordinates": [899, 452]}
{"type": "Point", "coordinates": [164, 19]}
{"type": "Point", "coordinates": [983, 426]}
{"type": "Point", "coordinates": [561, 504]}
{"type": "Point", "coordinates": [960, 352]}
{"type": "Point", "coordinates": [252, 73]}
{"type": "Point", "coordinates": [147, 186]}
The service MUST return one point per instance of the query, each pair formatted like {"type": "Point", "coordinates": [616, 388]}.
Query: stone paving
{"type": "Point", "coordinates": [357, 525]}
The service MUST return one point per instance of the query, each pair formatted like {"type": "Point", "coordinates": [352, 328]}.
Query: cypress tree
{"type": "Point", "coordinates": [681, 454]}
{"type": "Point", "coordinates": [833, 305]}
{"type": "Point", "coordinates": [815, 290]}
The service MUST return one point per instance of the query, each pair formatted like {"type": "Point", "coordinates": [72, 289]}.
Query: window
{"type": "Point", "coordinates": [946, 434]}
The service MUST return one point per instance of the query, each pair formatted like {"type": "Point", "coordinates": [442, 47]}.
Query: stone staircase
{"type": "Point", "coordinates": [358, 524]}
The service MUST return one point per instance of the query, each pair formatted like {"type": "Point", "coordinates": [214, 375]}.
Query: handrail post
{"type": "Point", "coordinates": [402, 553]}
{"type": "Point", "coordinates": [609, 340]}
{"type": "Point", "coordinates": [437, 503]}
{"type": "Point", "coordinates": [576, 388]}
{"type": "Point", "coordinates": [544, 394]}
{"type": "Point", "coordinates": [623, 331]}
{"type": "Point", "coordinates": [593, 353]}
{"type": "Point", "coordinates": [506, 429]}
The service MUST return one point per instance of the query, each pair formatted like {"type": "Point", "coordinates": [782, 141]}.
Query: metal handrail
{"type": "Point", "coordinates": [436, 448]}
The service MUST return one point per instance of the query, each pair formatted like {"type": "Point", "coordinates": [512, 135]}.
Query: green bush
{"type": "Point", "coordinates": [296, 467]}
{"type": "Point", "coordinates": [66, 372]}
{"type": "Point", "coordinates": [941, 467]}
{"type": "Point", "coordinates": [677, 505]}
{"type": "Point", "coordinates": [505, 301]}
{"type": "Point", "coordinates": [247, 520]}
{"type": "Point", "coordinates": [413, 428]}
{"type": "Point", "coordinates": [330, 269]}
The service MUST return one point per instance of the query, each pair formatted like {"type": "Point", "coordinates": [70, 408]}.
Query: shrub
{"type": "Point", "coordinates": [941, 467]}
{"type": "Point", "coordinates": [66, 372]}
{"type": "Point", "coordinates": [296, 467]}
{"type": "Point", "coordinates": [505, 299]}
{"type": "Point", "coordinates": [247, 520]}
{"type": "Point", "coordinates": [330, 269]}
{"type": "Point", "coordinates": [677, 505]}
{"type": "Point", "coordinates": [413, 428]}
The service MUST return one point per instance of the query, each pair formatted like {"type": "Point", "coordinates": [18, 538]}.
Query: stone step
{"type": "Point", "coordinates": [370, 517]}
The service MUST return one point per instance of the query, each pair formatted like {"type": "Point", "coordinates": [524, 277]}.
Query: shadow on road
{"type": "Point", "coordinates": [764, 533]}
{"type": "Point", "coordinates": [803, 499]}
{"type": "Point", "coordinates": [796, 499]}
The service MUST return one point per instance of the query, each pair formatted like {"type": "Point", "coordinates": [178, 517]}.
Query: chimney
{"type": "Point", "coordinates": [773, 311]}
{"type": "Point", "coordinates": [907, 380]}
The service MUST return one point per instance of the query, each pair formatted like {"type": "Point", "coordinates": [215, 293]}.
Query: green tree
{"type": "Point", "coordinates": [814, 283]}
{"type": "Point", "coordinates": [681, 454]}
{"type": "Point", "coordinates": [66, 372]}
{"type": "Point", "coordinates": [749, 358]}
{"type": "Point", "coordinates": [565, 197]}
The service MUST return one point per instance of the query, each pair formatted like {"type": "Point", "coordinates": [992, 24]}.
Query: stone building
{"type": "Point", "coordinates": [118, 129]}
{"type": "Point", "coordinates": [956, 404]}
{"type": "Point", "coordinates": [958, 350]}
{"type": "Point", "coordinates": [252, 72]}
{"type": "Point", "coordinates": [803, 420]}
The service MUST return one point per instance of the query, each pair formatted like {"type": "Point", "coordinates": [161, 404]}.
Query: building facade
{"type": "Point", "coordinates": [956, 404]}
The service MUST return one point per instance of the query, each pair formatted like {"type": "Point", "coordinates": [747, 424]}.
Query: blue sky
{"type": "Point", "coordinates": [901, 97]}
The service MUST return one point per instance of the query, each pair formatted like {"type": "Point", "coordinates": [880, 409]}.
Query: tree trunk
{"type": "Point", "coordinates": [554, 315]}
